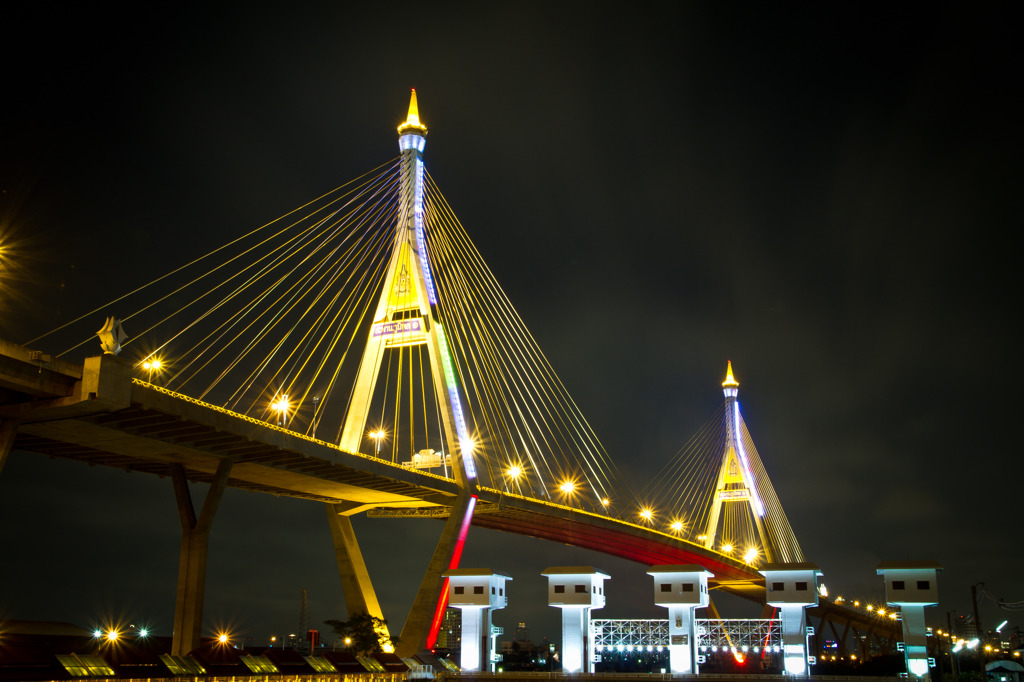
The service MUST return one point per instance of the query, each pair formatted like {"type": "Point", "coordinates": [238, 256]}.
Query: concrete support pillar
{"type": "Point", "coordinates": [477, 592]}
{"type": "Point", "coordinates": [792, 588]}
{"type": "Point", "coordinates": [428, 607]}
{"type": "Point", "coordinates": [360, 596]}
{"type": "Point", "coordinates": [682, 589]}
{"type": "Point", "coordinates": [195, 539]}
{"type": "Point", "coordinates": [473, 637]}
{"type": "Point", "coordinates": [575, 649]}
{"type": "Point", "coordinates": [794, 638]}
{"type": "Point", "coordinates": [8, 430]}
{"type": "Point", "coordinates": [912, 585]}
{"type": "Point", "coordinates": [576, 590]}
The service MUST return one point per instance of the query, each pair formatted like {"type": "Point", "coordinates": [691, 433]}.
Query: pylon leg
{"type": "Point", "coordinates": [195, 540]}
{"type": "Point", "coordinates": [8, 430]}
{"type": "Point", "coordinates": [427, 605]}
{"type": "Point", "coordinates": [360, 596]}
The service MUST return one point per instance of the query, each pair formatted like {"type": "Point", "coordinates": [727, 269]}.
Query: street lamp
{"type": "Point", "coordinates": [378, 436]}
{"type": "Point", "coordinates": [957, 648]}
{"type": "Point", "coordinates": [316, 401]}
{"type": "Point", "coordinates": [281, 407]}
{"type": "Point", "coordinates": [151, 366]}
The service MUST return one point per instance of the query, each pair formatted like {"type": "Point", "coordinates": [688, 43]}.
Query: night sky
{"type": "Point", "coordinates": [824, 193]}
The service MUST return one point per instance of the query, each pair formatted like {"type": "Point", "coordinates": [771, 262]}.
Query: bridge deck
{"type": "Point", "coordinates": [99, 414]}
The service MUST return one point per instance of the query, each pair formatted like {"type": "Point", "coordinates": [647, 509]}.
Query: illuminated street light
{"type": "Point", "coordinates": [677, 526]}
{"type": "Point", "coordinates": [514, 471]}
{"type": "Point", "coordinates": [567, 487]}
{"type": "Point", "coordinates": [377, 437]}
{"type": "Point", "coordinates": [751, 555]}
{"type": "Point", "coordinates": [727, 549]}
{"type": "Point", "coordinates": [281, 406]}
{"type": "Point", "coordinates": [152, 366]}
{"type": "Point", "coordinates": [646, 514]}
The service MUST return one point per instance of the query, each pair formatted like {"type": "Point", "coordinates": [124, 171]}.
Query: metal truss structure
{"type": "Point", "coordinates": [739, 634]}
{"type": "Point", "coordinates": [628, 634]}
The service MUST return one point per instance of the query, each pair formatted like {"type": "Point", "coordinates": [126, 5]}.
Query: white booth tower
{"type": "Point", "coordinates": [476, 592]}
{"type": "Point", "coordinates": [912, 585]}
{"type": "Point", "coordinates": [792, 588]}
{"type": "Point", "coordinates": [576, 590]}
{"type": "Point", "coordinates": [682, 589]}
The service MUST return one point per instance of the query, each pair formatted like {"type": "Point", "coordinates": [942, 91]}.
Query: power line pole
{"type": "Point", "coordinates": [303, 621]}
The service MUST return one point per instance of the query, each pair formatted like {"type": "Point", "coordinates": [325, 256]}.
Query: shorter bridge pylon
{"type": "Point", "coordinates": [735, 478]}
{"type": "Point", "coordinates": [743, 514]}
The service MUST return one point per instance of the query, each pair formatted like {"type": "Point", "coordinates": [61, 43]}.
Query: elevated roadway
{"type": "Point", "coordinates": [98, 413]}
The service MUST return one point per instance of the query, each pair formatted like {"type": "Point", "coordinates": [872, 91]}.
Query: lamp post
{"type": "Point", "coordinates": [281, 406]}
{"type": "Point", "coordinates": [377, 436]}
{"type": "Point", "coordinates": [960, 646]}
{"type": "Point", "coordinates": [151, 366]}
{"type": "Point", "coordinates": [316, 401]}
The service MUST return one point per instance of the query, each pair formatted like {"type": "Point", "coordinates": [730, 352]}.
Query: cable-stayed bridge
{"type": "Point", "coordinates": [359, 352]}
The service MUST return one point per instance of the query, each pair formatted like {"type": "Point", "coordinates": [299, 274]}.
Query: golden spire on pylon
{"type": "Point", "coordinates": [412, 121]}
{"type": "Point", "coordinates": [730, 380]}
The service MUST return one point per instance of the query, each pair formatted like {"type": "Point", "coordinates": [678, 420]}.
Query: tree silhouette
{"type": "Point", "coordinates": [363, 634]}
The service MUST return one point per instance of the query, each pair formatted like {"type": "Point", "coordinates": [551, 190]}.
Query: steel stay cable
{"type": "Point", "coordinates": [203, 257]}
{"type": "Point", "coordinates": [280, 312]}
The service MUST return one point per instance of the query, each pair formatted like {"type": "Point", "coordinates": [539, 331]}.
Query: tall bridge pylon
{"type": "Point", "coordinates": [404, 317]}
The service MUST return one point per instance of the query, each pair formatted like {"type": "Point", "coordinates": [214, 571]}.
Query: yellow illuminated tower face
{"type": "Point", "coordinates": [735, 480]}
{"type": "Point", "coordinates": [405, 312]}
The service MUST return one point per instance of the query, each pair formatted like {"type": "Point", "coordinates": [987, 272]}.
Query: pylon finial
{"type": "Point", "coordinates": [730, 380]}
{"type": "Point", "coordinates": [412, 120]}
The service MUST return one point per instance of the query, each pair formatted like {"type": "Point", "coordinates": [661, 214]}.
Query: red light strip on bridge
{"type": "Point", "coordinates": [442, 602]}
